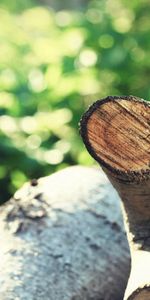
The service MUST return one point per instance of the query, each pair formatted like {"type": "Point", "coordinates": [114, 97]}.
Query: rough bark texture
{"type": "Point", "coordinates": [116, 131]}
{"type": "Point", "coordinates": [62, 238]}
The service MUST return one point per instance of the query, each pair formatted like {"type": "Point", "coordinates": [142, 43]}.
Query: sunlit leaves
{"type": "Point", "coordinates": [52, 66]}
{"type": "Point", "coordinates": [18, 178]}
{"type": "Point", "coordinates": [37, 19]}
{"type": "Point", "coordinates": [36, 80]}
{"type": "Point", "coordinates": [106, 41]}
{"type": "Point", "coordinates": [88, 58]}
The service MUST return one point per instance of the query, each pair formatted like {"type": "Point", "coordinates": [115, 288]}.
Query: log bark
{"type": "Point", "coordinates": [116, 132]}
{"type": "Point", "coordinates": [62, 238]}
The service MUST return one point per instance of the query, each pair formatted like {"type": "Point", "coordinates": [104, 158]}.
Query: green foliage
{"type": "Point", "coordinates": [52, 66]}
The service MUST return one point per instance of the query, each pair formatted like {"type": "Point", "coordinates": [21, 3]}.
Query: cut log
{"type": "Point", "coordinates": [116, 132]}
{"type": "Point", "coordinates": [62, 238]}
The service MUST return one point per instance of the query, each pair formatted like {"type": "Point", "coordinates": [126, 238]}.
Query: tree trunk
{"type": "Point", "coordinates": [62, 238]}
{"type": "Point", "coordinates": [116, 132]}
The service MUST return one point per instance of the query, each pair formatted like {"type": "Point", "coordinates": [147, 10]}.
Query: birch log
{"type": "Point", "coordinates": [116, 131]}
{"type": "Point", "coordinates": [62, 238]}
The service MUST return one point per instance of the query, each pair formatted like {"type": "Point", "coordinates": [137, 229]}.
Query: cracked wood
{"type": "Point", "coordinates": [116, 132]}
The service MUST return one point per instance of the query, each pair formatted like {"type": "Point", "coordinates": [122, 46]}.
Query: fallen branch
{"type": "Point", "coordinates": [116, 132]}
{"type": "Point", "coordinates": [62, 238]}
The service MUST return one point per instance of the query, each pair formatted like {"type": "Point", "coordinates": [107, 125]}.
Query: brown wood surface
{"type": "Point", "coordinates": [116, 132]}
{"type": "Point", "coordinates": [124, 134]}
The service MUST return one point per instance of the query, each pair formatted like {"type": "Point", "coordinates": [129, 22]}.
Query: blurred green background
{"type": "Point", "coordinates": [57, 57]}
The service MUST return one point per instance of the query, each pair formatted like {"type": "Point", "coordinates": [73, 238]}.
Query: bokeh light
{"type": "Point", "coordinates": [55, 61]}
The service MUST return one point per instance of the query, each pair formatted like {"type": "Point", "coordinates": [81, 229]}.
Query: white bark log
{"type": "Point", "coordinates": [63, 239]}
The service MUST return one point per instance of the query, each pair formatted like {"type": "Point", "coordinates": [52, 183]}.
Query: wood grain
{"type": "Point", "coordinates": [124, 139]}
{"type": "Point", "coordinates": [116, 132]}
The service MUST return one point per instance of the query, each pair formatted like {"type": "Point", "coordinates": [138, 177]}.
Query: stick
{"type": "Point", "coordinates": [116, 132]}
